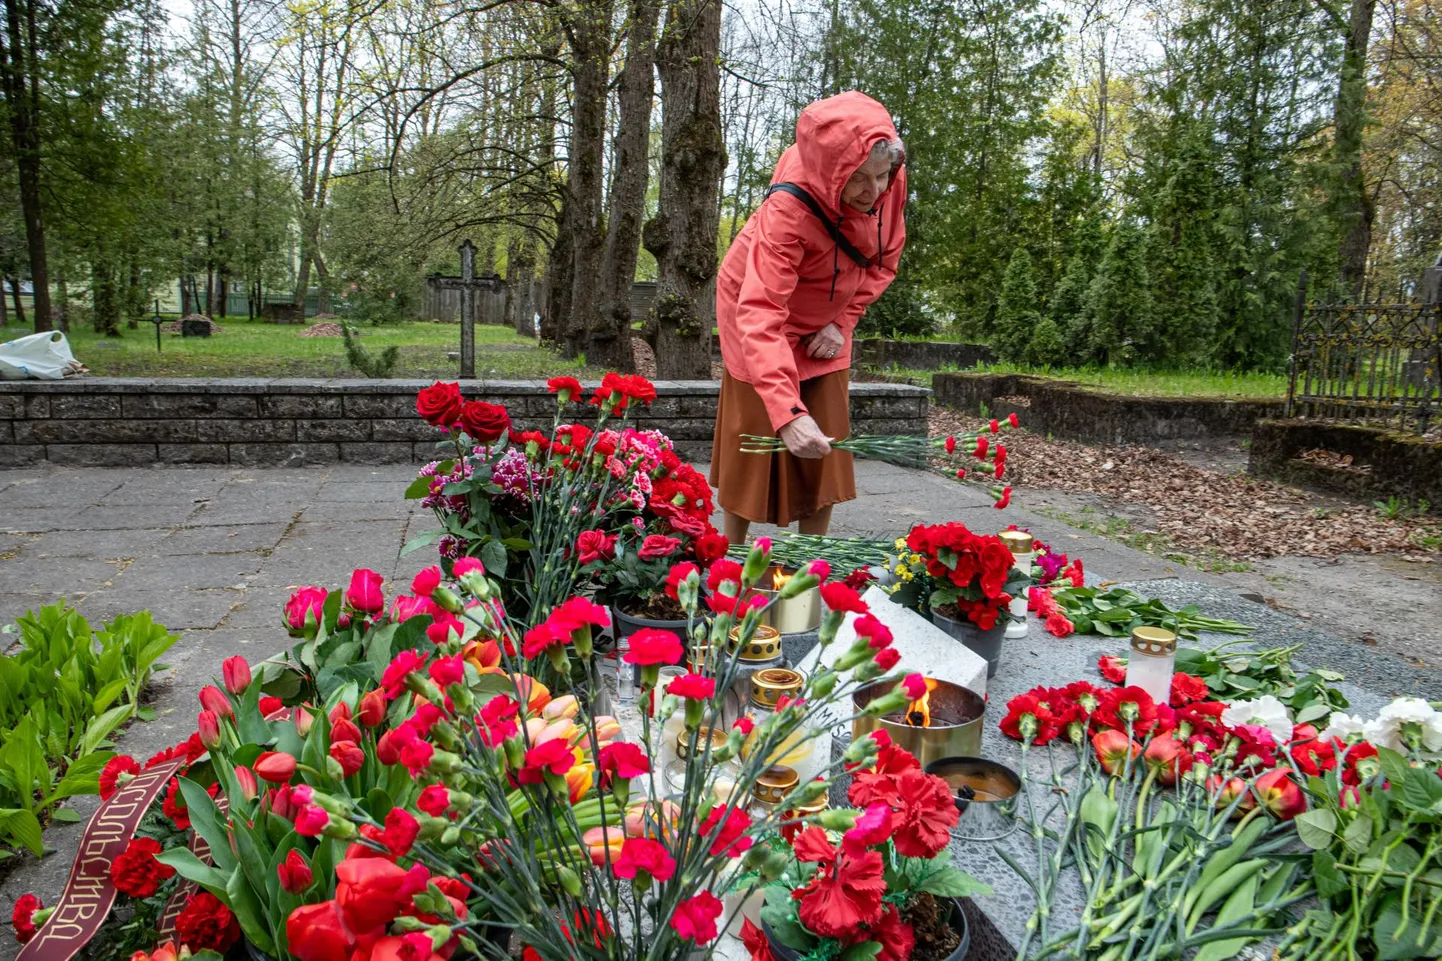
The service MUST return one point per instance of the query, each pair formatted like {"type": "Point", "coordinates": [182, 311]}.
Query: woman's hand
{"type": "Point", "coordinates": [803, 438]}
{"type": "Point", "coordinates": [826, 343]}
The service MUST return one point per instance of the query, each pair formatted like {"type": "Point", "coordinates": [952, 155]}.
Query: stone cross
{"type": "Point", "coordinates": [467, 283]}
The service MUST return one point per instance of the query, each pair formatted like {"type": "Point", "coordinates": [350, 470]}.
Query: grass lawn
{"type": "Point", "coordinates": [253, 349]}
{"type": "Point", "coordinates": [1142, 383]}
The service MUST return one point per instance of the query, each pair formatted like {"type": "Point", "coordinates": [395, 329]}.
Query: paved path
{"type": "Point", "coordinates": [214, 553]}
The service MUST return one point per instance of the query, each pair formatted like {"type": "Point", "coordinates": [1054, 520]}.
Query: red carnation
{"type": "Point", "coordinates": [650, 646]}
{"type": "Point", "coordinates": [1004, 500]}
{"type": "Point", "coordinates": [674, 577]}
{"type": "Point", "coordinates": [1058, 625]}
{"type": "Point", "coordinates": [484, 423]}
{"type": "Point", "coordinates": [711, 547]}
{"type": "Point", "coordinates": [434, 800]}
{"type": "Point", "coordinates": [697, 687]}
{"type": "Point", "coordinates": [732, 839]}
{"type": "Point", "coordinates": [923, 822]}
{"type": "Point", "coordinates": [1186, 689]}
{"type": "Point", "coordinates": [206, 924]}
{"type": "Point", "coordinates": [110, 778]}
{"type": "Point", "coordinates": [541, 638]}
{"type": "Point", "coordinates": [624, 760]}
{"type": "Point", "coordinates": [1112, 668]}
{"type": "Point", "coordinates": [695, 918]}
{"type": "Point", "coordinates": [555, 757]}
{"type": "Point", "coordinates": [401, 830]}
{"type": "Point", "coordinates": [722, 571]}
{"type": "Point", "coordinates": [440, 404]}
{"type": "Point", "coordinates": [1012, 419]}
{"type": "Point", "coordinates": [136, 872]}
{"type": "Point", "coordinates": [644, 855]}
{"type": "Point", "coordinates": [981, 445]}
{"type": "Point", "coordinates": [1122, 706]}
{"type": "Point", "coordinates": [22, 917]}
{"type": "Point", "coordinates": [887, 658]}
{"type": "Point", "coordinates": [845, 893]}
{"type": "Point", "coordinates": [838, 597]}
{"type": "Point", "coordinates": [570, 385]}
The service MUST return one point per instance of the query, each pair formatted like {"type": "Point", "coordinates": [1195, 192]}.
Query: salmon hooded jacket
{"type": "Point", "coordinates": [784, 278]}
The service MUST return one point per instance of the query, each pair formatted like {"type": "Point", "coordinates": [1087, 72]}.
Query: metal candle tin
{"type": "Point", "coordinates": [956, 721]}
{"type": "Point", "coordinates": [791, 615]}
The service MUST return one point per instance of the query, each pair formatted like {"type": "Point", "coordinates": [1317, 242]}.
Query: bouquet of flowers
{"type": "Point", "coordinates": [535, 812]}
{"type": "Point", "coordinates": [953, 572]}
{"type": "Point", "coordinates": [1196, 866]}
{"type": "Point", "coordinates": [950, 456]}
{"type": "Point", "coordinates": [536, 508]}
{"type": "Point", "coordinates": [881, 888]}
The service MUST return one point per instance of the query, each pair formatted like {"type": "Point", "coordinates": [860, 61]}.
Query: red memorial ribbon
{"type": "Point", "coordinates": [89, 894]}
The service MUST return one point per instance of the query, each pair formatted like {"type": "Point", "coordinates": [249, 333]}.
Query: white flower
{"type": "Point", "coordinates": [1385, 732]}
{"type": "Point", "coordinates": [1266, 711]}
{"type": "Point", "coordinates": [1411, 709]}
{"type": "Point", "coordinates": [1413, 712]}
{"type": "Point", "coordinates": [1344, 726]}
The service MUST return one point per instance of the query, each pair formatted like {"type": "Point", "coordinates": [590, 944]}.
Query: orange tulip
{"type": "Point", "coordinates": [484, 655]}
{"type": "Point", "coordinates": [564, 707]}
{"type": "Point", "coordinates": [537, 695]}
{"type": "Point", "coordinates": [598, 839]}
{"type": "Point", "coordinates": [579, 780]}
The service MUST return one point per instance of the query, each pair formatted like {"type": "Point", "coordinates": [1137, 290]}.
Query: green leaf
{"type": "Point", "coordinates": [1358, 835]}
{"type": "Point", "coordinates": [82, 777]}
{"type": "Point", "coordinates": [1395, 766]}
{"type": "Point", "coordinates": [1317, 828]}
{"type": "Point", "coordinates": [190, 867]}
{"type": "Point", "coordinates": [418, 489]}
{"type": "Point", "coordinates": [23, 828]}
{"type": "Point", "coordinates": [208, 822]}
{"type": "Point", "coordinates": [103, 726]}
{"type": "Point", "coordinates": [493, 556]}
{"type": "Point", "coordinates": [952, 883]}
{"type": "Point", "coordinates": [1313, 712]}
{"type": "Point", "coordinates": [864, 951]}
{"type": "Point", "coordinates": [1325, 875]}
{"type": "Point", "coordinates": [1395, 940]}
{"type": "Point", "coordinates": [65, 816]}
{"type": "Point", "coordinates": [254, 921]}
{"type": "Point", "coordinates": [109, 693]}
{"type": "Point", "coordinates": [1422, 792]}
{"type": "Point", "coordinates": [492, 684]}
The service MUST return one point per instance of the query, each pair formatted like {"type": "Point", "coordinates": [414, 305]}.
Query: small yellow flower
{"type": "Point", "coordinates": [914, 560]}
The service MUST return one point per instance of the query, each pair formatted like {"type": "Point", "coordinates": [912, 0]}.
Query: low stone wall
{"type": "Point", "coordinates": [1068, 410]}
{"type": "Point", "coordinates": [107, 422]}
{"type": "Point", "coordinates": [921, 354]}
{"type": "Point", "coordinates": [1384, 462]}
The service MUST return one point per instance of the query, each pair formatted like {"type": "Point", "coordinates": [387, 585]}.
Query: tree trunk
{"type": "Point", "coordinates": [520, 287]}
{"type": "Point", "coordinates": [610, 342]}
{"type": "Point", "coordinates": [210, 289]}
{"type": "Point", "coordinates": [105, 306]}
{"type": "Point", "coordinates": [1354, 207]}
{"type": "Point", "coordinates": [62, 304]}
{"type": "Point", "coordinates": [19, 307]}
{"type": "Point", "coordinates": [22, 98]}
{"type": "Point", "coordinates": [4, 310]}
{"type": "Point", "coordinates": [683, 235]}
{"type": "Point", "coordinates": [590, 36]}
{"type": "Point", "coordinates": [559, 271]}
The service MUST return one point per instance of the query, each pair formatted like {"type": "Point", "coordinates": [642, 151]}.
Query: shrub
{"type": "Point", "coordinates": [361, 359]}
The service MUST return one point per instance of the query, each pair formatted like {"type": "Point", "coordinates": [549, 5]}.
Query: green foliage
{"type": "Point", "coordinates": [1119, 301]}
{"type": "Point", "coordinates": [1048, 344]}
{"type": "Point", "coordinates": [362, 360]}
{"type": "Point", "coordinates": [901, 310]}
{"type": "Point", "coordinates": [63, 693]}
{"type": "Point", "coordinates": [1068, 307]}
{"type": "Point", "coordinates": [1016, 309]}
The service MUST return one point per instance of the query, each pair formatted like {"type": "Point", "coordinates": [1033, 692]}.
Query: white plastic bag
{"type": "Point", "coordinates": [44, 356]}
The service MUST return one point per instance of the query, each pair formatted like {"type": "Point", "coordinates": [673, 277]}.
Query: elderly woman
{"type": "Point", "coordinates": [821, 248]}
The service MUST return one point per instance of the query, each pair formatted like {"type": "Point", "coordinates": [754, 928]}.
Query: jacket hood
{"type": "Point", "coordinates": [834, 137]}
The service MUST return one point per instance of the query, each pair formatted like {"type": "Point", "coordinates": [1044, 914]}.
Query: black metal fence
{"type": "Point", "coordinates": [1376, 363]}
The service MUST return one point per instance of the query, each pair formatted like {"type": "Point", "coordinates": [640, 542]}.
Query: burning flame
{"type": "Point", "coordinates": [918, 712]}
{"type": "Point", "coordinates": [779, 578]}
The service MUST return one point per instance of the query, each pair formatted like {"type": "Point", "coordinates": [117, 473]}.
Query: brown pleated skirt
{"type": "Point", "coordinates": [779, 488]}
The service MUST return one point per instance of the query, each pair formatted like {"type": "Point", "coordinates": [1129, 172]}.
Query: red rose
{"type": "Point", "coordinates": [695, 918]}
{"type": "Point", "coordinates": [136, 872]}
{"type": "Point", "coordinates": [118, 767]}
{"type": "Point", "coordinates": [657, 546]}
{"type": "Point", "coordinates": [711, 547]}
{"type": "Point", "coordinates": [318, 932]}
{"type": "Point", "coordinates": [306, 604]}
{"type": "Point", "coordinates": [206, 924]}
{"type": "Point", "coordinates": [1112, 668]}
{"type": "Point", "coordinates": [484, 423]}
{"type": "Point", "coordinates": [650, 646]}
{"type": "Point", "coordinates": [364, 593]}
{"type": "Point", "coordinates": [595, 545]}
{"type": "Point", "coordinates": [1058, 625]}
{"type": "Point", "coordinates": [22, 917]}
{"type": "Point", "coordinates": [440, 404]}
{"type": "Point", "coordinates": [1186, 689]}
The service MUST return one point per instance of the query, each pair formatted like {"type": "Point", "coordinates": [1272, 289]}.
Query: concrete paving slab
{"type": "Point", "coordinates": [252, 507]}
{"type": "Point", "coordinates": [56, 518]}
{"type": "Point", "coordinates": [374, 491]}
{"type": "Point", "coordinates": [350, 510]}
{"type": "Point", "coordinates": [164, 571]}
{"type": "Point", "coordinates": [44, 574]}
{"type": "Point", "coordinates": [102, 544]}
{"type": "Point", "coordinates": [132, 516]}
{"type": "Point", "coordinates": [177, 608]}
{"type": "Point", "coordinates": [220, 539]}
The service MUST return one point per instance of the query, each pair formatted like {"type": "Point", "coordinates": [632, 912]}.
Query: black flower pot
{"type": "Point", "coordinates": [781, 952]}
{"type": "Point", "coordinates": [984, 644]}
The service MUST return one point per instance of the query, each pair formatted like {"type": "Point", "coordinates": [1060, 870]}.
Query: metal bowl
{"type": "Point", "coordinates": [956, 727]}
{"type": "Point", "coordinates": [986, 795]}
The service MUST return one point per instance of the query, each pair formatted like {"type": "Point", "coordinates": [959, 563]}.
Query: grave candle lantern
{"type": "Point", "coordinates": [1152, 662]}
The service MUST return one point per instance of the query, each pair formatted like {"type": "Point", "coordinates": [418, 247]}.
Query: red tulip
{"type": "Point", "coordinates": [1112, 748]}
{"type": "Point", "coordinates": [341, 711]}
{"type": "Point", "coordinates": [303, 719]}
{"type": "Point", "coordinates": [349, 755]}
{"type": "Point", "coordinates": [1166, 754]}
{"type": "Point", "coordinates": [235, 671]}
{"type": "Point", "coordinates": [207, 725]}
{"type": "Point", "coordinates": [1281, 795]}
{"type": "Point", "coordinates": [249, 789]}
{"type": "Point", "coordinates": [295, 874]}
{"type": "Point", "coordinates": [276, 767]}
{"type": "Point", "coordinates": [213, 698]}
{"type": "Point", "coordinates": [318, 932]}
{"type": "Point", "coordinates": [344, 730]}
{"type": "Point", "coordinates": [388, 748]}
{"type": "Point", "coordinates": [1227, 793]}
{"type": "Point", "coordinates": [372, 709]}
